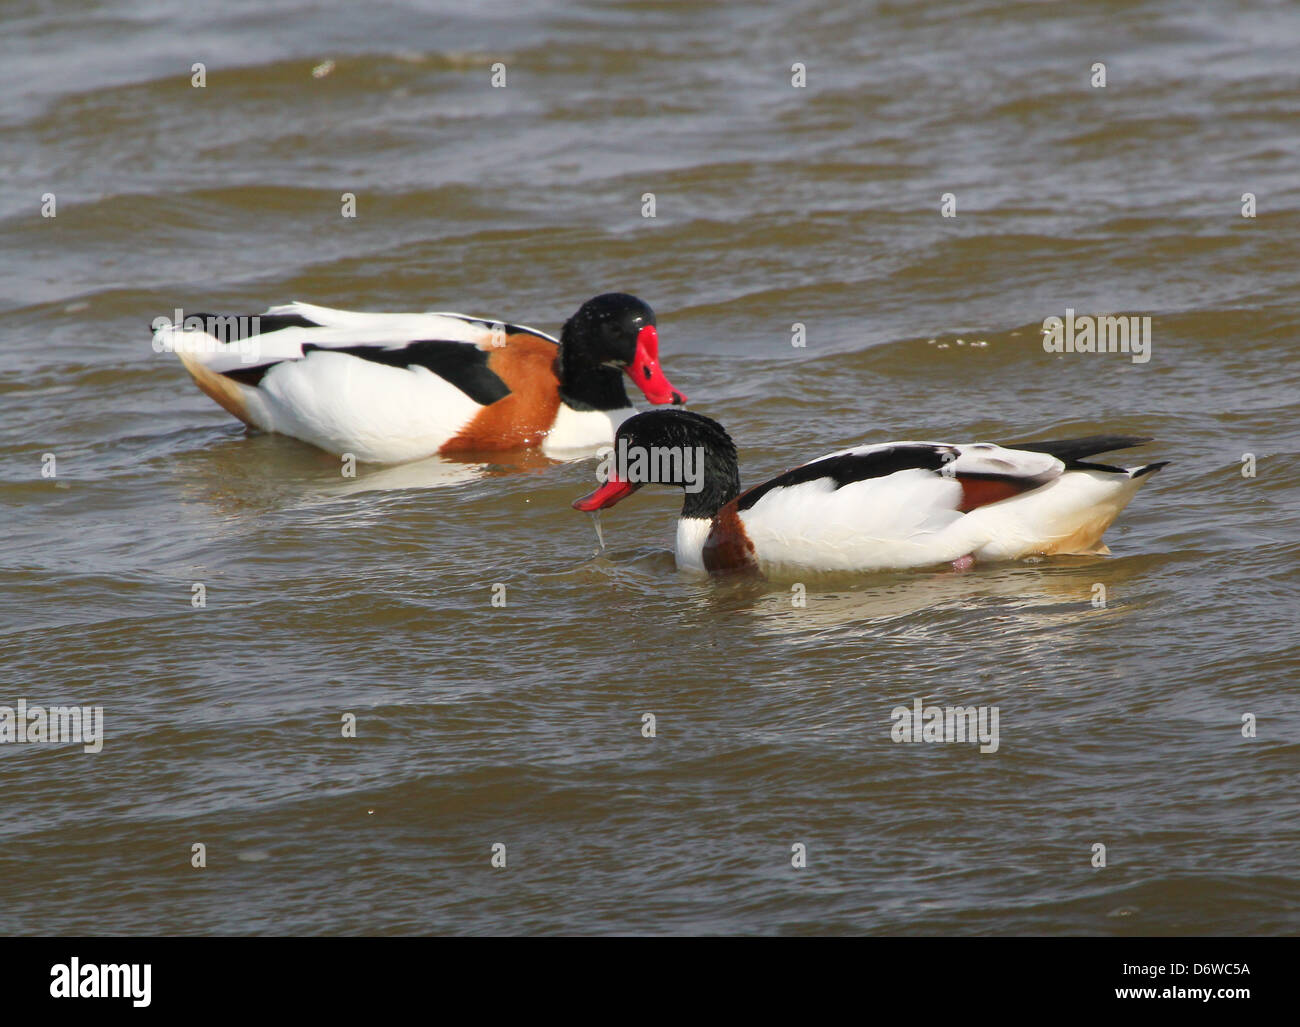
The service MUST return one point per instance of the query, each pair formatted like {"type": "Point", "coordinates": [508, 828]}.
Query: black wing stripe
{"type": "Point", "coordinates": [850, 467]}
{"type": "Point", "coordinates": [462, 364]}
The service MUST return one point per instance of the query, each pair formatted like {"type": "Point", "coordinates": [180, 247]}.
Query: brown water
{"type": "Point", "coordinates": [522, 725]}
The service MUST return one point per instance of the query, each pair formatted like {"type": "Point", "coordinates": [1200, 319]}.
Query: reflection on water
{"type": "Point", "coordinates": [1021, 595]}
{"type": "Point", "coordinates": [1026, 597]}
{"type": "Point", "coordinates": [253, 472]}
{"type": "Point", "coordinates": [438, 472]}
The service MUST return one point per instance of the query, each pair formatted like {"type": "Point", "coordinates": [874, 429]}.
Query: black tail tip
{"type": "Point", "coordinates": [1142, 472]}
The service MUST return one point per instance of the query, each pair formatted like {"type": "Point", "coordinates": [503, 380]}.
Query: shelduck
{"type": "Point", "coordinates": [389, 388]}
{"type": "Point", "coordinates": [874, 507]}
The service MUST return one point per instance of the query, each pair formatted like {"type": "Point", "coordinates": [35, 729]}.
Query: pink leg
{"type": "Point", "coordinates": [964, 563]}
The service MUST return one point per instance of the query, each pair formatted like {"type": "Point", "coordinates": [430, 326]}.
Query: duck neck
{"type": "Point", "coordinates": [718, 484]}
{"type": "Point", "coordinates": [586, 384]}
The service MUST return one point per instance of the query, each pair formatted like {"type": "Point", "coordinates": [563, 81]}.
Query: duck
{"type": "Point", "coordinates": [874, 507]}
{"type": "Point", "coordinates": [395, 387]}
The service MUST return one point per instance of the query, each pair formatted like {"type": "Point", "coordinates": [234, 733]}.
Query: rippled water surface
{"type": "Point", "coordinates": [522, 725]}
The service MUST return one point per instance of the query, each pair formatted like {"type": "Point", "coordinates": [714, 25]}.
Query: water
{"type": "Point", "coordinates": [522, 725]}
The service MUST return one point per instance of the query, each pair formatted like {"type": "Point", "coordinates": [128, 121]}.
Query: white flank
{"type": "Point", "coordinates": [911, 518]}
{"type": "Point", "coordinates": [896, 521]}
{"type": "Point", "coordinates": [378, 413]}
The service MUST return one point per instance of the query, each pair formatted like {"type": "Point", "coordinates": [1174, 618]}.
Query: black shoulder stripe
{"type": "Point", "coordinates": [850, 467]}
{"type": "Point", "coordinates": [461, 363]}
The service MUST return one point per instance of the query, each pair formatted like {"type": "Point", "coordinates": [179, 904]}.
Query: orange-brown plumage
{"type": "Point", "coordinates": [728, 547]}
{"type": "Point", "coordinates": [976, 492]}
{"type": "Point", "coordinates": [526, 364]}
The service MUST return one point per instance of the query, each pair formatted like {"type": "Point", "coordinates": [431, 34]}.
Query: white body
{"type": "Point", "coordinates": [911, 518]}
{"type": "Point", "coordinates": [348, 405]}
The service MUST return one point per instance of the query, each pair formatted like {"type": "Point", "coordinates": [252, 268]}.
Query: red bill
{"type": "Point", "coordinates": [646, 372]}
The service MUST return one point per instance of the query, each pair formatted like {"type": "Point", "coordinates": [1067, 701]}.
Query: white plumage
{"type": "Point", "coordinates": [911, 519]}
{"type": "Point", "coordinates": [885, 506]}
{"type": "Point", "coordinates": [372, 411]}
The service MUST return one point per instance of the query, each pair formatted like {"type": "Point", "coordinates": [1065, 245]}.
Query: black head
{"type": "Point", "coordinates": [612, 333]}
{"type": "Point", "coordinates": [671, 447]}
